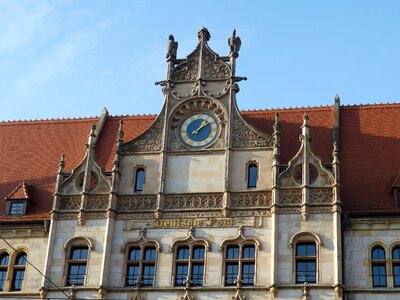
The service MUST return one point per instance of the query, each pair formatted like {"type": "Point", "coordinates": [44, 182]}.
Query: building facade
{"type": "Point", "coordinates": [203, 201]}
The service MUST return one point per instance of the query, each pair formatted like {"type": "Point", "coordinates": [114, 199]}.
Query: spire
{"type": "Point", "coordinates": [61, 164]}
{"type": "Point", "coordinates": [305, 130]}
{"type": "Point", "coordinates": [92, 135]}
{"type": "Point", "coordinates": [276, 136]}
{"type": "Point", "coordinates": [120, 134]}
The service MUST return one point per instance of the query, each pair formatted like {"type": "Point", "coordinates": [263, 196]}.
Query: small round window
{"type": "Point", "coordinates": [93, 180]}
{"type": "Point", "coordinates": [298, 173]}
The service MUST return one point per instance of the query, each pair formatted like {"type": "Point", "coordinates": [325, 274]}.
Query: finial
{"type": "Point", "coordinates": [93, 130]}
{"type": "Point", "coordinates": [276, 118]}
{"type": "Point", "coordinates": [61, 164]}
{"type": "Point", "coordinates": [337, 98]}
{"type": "Point", "coordinates": [204, 34]}
{"type": "Point", "coordinates": [305, 119]}
{"type": "Point", "coordinates": [172, 48]}
{"type": "Point", "coordinates": [234, 44]}
{"type": "Point", "coordinates": [120, 133]}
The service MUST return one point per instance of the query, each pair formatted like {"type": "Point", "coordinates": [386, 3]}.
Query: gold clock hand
{"type": "Point", "coordinates": [203, 124]}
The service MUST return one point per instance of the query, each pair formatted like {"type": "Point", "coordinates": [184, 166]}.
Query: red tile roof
{"type": "Point", "coordinates": [369, 143]}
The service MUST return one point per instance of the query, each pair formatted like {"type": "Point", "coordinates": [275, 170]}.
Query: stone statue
{"type": "Point", "coordinates": [172, 48]}
{"type": "Point", "coordinates": [234, 43]}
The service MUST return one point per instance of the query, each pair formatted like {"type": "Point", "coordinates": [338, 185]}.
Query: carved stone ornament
{"type": "Point", "coordinates": [188, 70]}
{"type": "Point", "coordinates": [70, 202]}
{"type": "Point", "coordinates": [187, 296]}
{"type": "Point", "coordinates": [193, 201]}
{"type": "Point", "coordinates": [290, 197]}
{"type": "Point", "coordinates": [239, 296]}
{"type": "Point", "coordinates": [189, 240]}
{"type": "Point", "coordinates": [97, 202]}
{"type": "Point", "coordinates": [244, 136]}
{"type": "Point", "coordinates": [250, 199]}
{"type": "Point", "coordinates": [213, 68]}
{"type": "Point", "coordinates": [239, 238]}
{"type": "Point", "coordinates": [137, 202]}
{"type": "Point", "coordinates": [321, 196]}
{"type": "Point", "coordinates": [148, 141]}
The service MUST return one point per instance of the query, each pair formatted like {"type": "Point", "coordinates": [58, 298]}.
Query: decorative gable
{"type": "Point", "coordinates": [18, 201]}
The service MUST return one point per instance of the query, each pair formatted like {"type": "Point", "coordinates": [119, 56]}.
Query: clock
{"type": "Point", "coordinates": [199, 130]}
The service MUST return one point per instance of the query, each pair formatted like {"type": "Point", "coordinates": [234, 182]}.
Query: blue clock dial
{"type": "Point", "coordinates": [199, 130]}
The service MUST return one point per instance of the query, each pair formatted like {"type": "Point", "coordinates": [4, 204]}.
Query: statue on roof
{"type": "Point", "coordinates": [172, 48]}
{"type": "Point", "coordinates": [234, 43]}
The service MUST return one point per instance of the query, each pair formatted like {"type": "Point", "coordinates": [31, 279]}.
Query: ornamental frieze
{"type": "Point", "coordinates": [290, 197]}
{"type": "Point", "coordinates": [321, 196]}
{"type": "Point", "coordinates": [97, 202]}
{"type": "Point", "coordinates": [70, 202]}
{"type": "Point", "coordinates": [137, 202]}
{"type": "Point", "coordinates": [252, 199]}
{"type": "Point", "coordinates": [193, 201]}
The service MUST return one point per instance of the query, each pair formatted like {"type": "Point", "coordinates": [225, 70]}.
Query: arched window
{"type": "Point", "coordinates": [252, 175]}
{"type": "Point", "coordinates": [240, 264]}
{"type": "Point", "coordinates": [396, 266]}
{"type": "Point", "coordinates": [306, 262]}
{"type": "Point", "coordinates": [139, 179]}
{"type": "Point", "coordinates": [141, 265]}
{"type": "Point", "coordinates": [4, 259]}
{"type": "Point", "coordinates": [77, 262]}
{"type": "Point", "coordinates": [18, 272]}
{"type": "Point", "coordinates": [378, 265]}
{"type": "Point", "coordinates": [189, 265]}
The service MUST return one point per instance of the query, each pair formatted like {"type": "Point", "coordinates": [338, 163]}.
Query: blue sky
{"type": "Point", "coordinates": [72, 58]}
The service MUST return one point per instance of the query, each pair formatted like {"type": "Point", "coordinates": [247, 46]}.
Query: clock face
{"type": "Point", "coordinates": [199, 130]}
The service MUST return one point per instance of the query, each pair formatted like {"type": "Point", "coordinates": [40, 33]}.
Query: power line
{"type": "Point", "coordinates": [36, 268]}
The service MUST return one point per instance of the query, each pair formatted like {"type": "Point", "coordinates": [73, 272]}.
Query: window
{"type": "Point", "coordinates": [306, 262]}
{"type": "Point", "coordinates": [77, 265]}
{"type": "Point", "coordinates": [189, 265]}
{"type": "Point", "coordinates": [396, 266]}
{"type": "Point", "coordinates": [239, 259]}
{"type": "Point", "coordinates": [141, 264]}
{"type": "Point", "coordinates": [378, 265]}
{"type": "Point", "coordinates": [19, 272]}
{"type": "Point", "coordinates": [252, 175]}
{"type": "Point", "coordinates": [16, 208]}
{"type": "Point", "coordinates": [4, 259]}
{"type": "Point", "coordinates": [139, 179]}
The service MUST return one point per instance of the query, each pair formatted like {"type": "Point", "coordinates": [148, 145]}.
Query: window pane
{"type": "Point", "coordinates": [252, 176]}
{"type": "Point", "coordinates": [232, 252]}
{"type": "Point", "coordinates": [181, 274]}
{"type": "Point", "coordinates": [21, 259]}
{"type": "Point", "coordinates": [248, 273]}
{"type": "Point", "coordinates": [148, 275]}
{"type": "Point", "coordinates": [396, 253]}
{"type": "Point", "coordinates": [198, 252]}
{"type": "Point", "coordinates": [79, 253]}
{"type": "Point", "coordinates": [18, 278]}
{"type": "Point", "coordinates": [76, 274]}
{"type": "Point", "coordinates": [306, 271]}
{"type": "Point", "coordinates": [248, 252]}
{"type": "Point", "coordinates": [3, 275]}
{"type": "Point", "coordinates": [183, 253]}
{"type": "Point", "coordinates": [4, 258]}
{"type": "Point", "coordinates": [197, 274]}
{"type": "Point", "coordinates": [16, 208]}
{"type": "Point", "coordinates": [134, 254]}
{"type": "Point", "coordinates": [139, 180]}
{"type": "Point", "coordinates": [132, 275]}
{"type": "Point", "coordinates": [396, 275]}
{"type": "Point", "coordinates": [150, 253]}
{"type": "Point", "coordinates": [378, 253]}
{"type": "Point", "coordinates": [232, 270]}
{"type": "Point", "coordinates": [379, 275]}
{"type": "Point", "coordinates": [306, 249]}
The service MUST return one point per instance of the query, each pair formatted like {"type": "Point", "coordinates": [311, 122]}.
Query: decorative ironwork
{"type": "Point", "coordinates": [193, 201]}
{"type": "Point", "coordinates": [252, 199]}
{"type": "Point", "coordinates": [137, 202]}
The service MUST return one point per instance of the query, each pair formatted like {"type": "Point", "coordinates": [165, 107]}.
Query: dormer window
{"type": "Point", "coordinates": [18, 201]}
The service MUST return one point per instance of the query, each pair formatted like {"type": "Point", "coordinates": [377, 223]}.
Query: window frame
{"type": "Point", "coordinates": [240, 261]}
{"type": "Point", "coordinates": [306, 259]}
{"type": "Point", "coordinates": [10, 203]}
{"type": "Point", "coordinates": [378, 262]}
{"type": "Point", "coordinates": [395, 262]}
{"type": "Point", "coordinates": [141, 263]}
{"type": "Point", "coordinates": [190, 262]}
{"type": "Point", "coordinates": [16, 269]}
{"type": "Point", "coordinates": [250, 164]}
{"type": "Point", "coordinates": [6, 269]}
{"type": "Point", "coordinates": [137, 169]}
{"type": "Point", "coordinates": [73, 262]}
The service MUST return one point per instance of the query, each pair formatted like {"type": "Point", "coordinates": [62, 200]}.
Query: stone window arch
{"type": "Point", "coordinates": [240, 257]}
{"type": "Point", "coordinates": [4, 268]}
{"type": "Point", "coordinates": [19, 262]}
{"type": "Point", "coordinates": [306, 247]}
{"type": "Point", "coordinates": [190, 256]}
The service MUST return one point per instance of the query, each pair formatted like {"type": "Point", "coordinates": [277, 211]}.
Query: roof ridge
{"type": "Point", "coordinates": [371, 105]}
{"type": "Point", "coordinates": [286, 108]}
